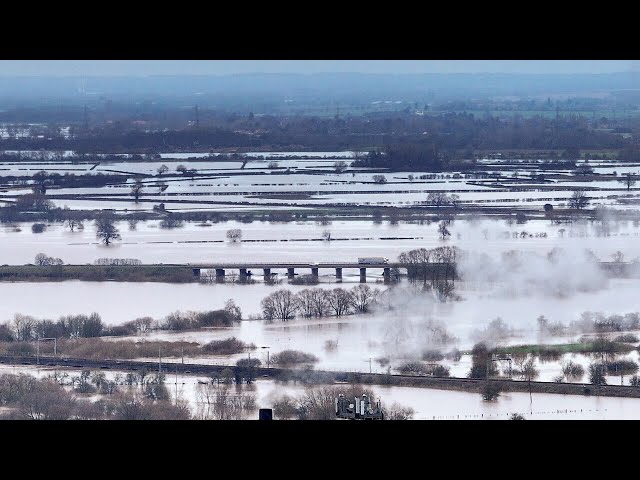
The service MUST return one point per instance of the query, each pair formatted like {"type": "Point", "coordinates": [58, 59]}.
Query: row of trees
{"type": "Point", "coordinates": [318, 302]}
{"type": "Point", "coordinates": [447, 131]}
{"type": "Point", "coordinates": [25, 328]}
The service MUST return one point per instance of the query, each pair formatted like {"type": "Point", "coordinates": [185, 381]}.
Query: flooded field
{"type": "Point", "coordinates": [304, 241]}
{"type": "Point", "coordinates": [312, 180]}
{"type": "Point", "coordinates": [428, 404]}
{"type": "Point", "coordinates": [358, 341]}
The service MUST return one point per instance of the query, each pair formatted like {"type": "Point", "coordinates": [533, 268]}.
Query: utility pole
{"type": "Point", "coordinates": [197, 117]}
{"type": "Point", "coordinates": [183, 355]}
{"type": "Point", "coordinates": [159, 364]}
{"type": "Point", "coordinates": [176, 384]}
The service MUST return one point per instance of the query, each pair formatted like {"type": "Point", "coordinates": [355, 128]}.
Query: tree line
{"type": "Point", "coordinates": [25, 328]}
{"type": "Point", "coordinates": [318, 302]}
{"type": "Point", "coordinates": [454, 132]}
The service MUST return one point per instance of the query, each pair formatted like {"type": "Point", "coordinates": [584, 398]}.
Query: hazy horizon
{"type": "Point", "coordinates": [96, 68]}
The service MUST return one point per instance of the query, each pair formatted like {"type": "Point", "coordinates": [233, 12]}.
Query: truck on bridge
{"type": "Point", "coordinates": [373, 260]}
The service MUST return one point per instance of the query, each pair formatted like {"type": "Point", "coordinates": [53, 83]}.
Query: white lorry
{"type": "Point", "coordinates": [373, 260]}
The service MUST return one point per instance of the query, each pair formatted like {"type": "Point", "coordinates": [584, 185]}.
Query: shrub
{"type": "Point", "coordinates": [290, 357]}
{"type": "Point", "coordinates": [490, 391]}
{"type": "Point", "coordinates": [516, 416]}
{"type": "Point", "coordinates": [621, 367]}
{"type": "Point", "coordinates": [573, 371]}
{"type": "Point", "coordinates": [248, 362]}
{"type": "Point", "coordinates": [398, 412]}
{"type": "Point", "coordinates": [227, 346]}
{"type": "Point", "coordinates": [597, 374]}
{"type": "Point", "coordinates": [419, 368]}
{"type": "Point", "coordinates": [38, 227]}
{"type": "Point", "coordinates": [171, 222]}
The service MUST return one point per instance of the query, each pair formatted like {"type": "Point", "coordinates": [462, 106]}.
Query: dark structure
{"type": "Point", "coordinates": [265, 414]}
{"type": "Point", "coordinates": [360, 409]}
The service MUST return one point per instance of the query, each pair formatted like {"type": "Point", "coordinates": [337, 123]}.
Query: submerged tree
{"type": "Point", "coordinates": [578, 200]}
{"type": "Point", "coordinates": [443, 231]}
{"type": "Point", "coordinates": [628, 180]}
{"type": "Point", "coordinates": [597, 374]}
{"type": "Point", "coordinates": [136, 190]}
{"type": "Point", "coordinates": [234, 235]}
{"type": "Point", "coordinates": [106, 230]}
{"type": "Point", "coordinates": [280, 305]}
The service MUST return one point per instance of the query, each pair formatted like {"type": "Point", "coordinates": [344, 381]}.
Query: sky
{"type": "Point", "coordinates": [9, 68]}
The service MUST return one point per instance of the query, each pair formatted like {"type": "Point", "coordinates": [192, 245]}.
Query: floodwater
{"type": "Point", "coordinates": [400, 335]}
{"type": "Point", "coordinates": [428, 404]}
{"type": "Point", "coordinates": [303, 241]}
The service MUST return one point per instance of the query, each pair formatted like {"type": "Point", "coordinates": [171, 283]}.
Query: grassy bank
{"type": "Point", "coordinates": [98, 273]}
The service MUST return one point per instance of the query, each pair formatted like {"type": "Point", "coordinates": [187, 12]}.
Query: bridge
{"type": "Point", "coordinates": [314, 269]}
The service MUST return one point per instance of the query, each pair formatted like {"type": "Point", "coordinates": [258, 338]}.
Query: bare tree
{"type": "Point", "coordinates": [628, 180]}
{"type": "Point", "coordinates": [106, 230]}
{"type": "Point", "coordinates": [23, 327]}
{"type": "Point", "coordinates": [73, 223]}
{"type": "Point", "coordinates": [234, 235]}
{"type": "Point", "coordinates": [136, 190]}
{"type": "Point", "coordinates": [398, 412]}
{"type": "Point", "coordinates": [437, 199]}
{"type": "Point", "coordinates": [281, 305]}
{"type": "Point", "coordinates": [162, 169]}
{"type": "Point", "coordinates": [443, 231]}
{"type": "Point", "coordinates": [340, 166]}
{"type": "Point", "coordinates": [362, 296]}
{"type": "Point", "coordinates": [305, 302]}
{"type": "Point", "coordinates": [47, 401]}
{"type": "Point", "coordinates": [319, 302]}
{"type": "Point", "coordinates": [143, 325]}
{"type": "Point", "coordinates": [233, 310]}
{"type": "Point", "coordinates": [578, 200]}
{"type": "Point", "coordinates": [317, 404]}
{"type": "Point", "coordinates": [326, 235]}
{"type": "Point", "coordinates": [339, 301]}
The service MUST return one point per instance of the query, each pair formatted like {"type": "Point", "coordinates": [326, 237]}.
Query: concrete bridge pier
{"type": "Point", "coordinates": [267, 274]}
{"type": "Point", "coordinates": [387, 275]}
{"type": "Point", "coordinates": [291, 273]}
{"type": "Point", "coordinates": [243, 275]}
{"type": "Point", "coordinates": [339, 274]}
{"type": "Point", "coordinates": [314, 272]}
{"type": "Point", "coordinates": [196, 272]}
{"type": "Point", "coordinates": [363, 275]}
{"type": "Point", "coordinates": [220, 275]}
